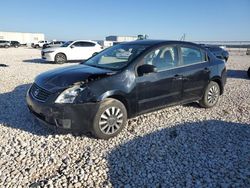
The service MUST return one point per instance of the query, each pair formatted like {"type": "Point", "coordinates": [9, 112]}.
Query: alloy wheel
{"type": "Point", "coordinates": [60, 58]}
{"type": "Point", "coordinates": [111, 120]}
{"type": "Point", "coordinates": [213, 95]}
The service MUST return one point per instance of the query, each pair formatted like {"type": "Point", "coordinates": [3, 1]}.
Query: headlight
{"type": "Point", "coordinates": [69, 95]}
{"type": "Point", "coordinates": [49, 52]}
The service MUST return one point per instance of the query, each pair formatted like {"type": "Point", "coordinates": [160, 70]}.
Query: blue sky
{"type": "Point", "coordinates": [161, 19]}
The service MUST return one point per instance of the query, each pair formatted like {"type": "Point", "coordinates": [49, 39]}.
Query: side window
{"type": "Point", "coordinates": [163, 58]}
{"type": "Point", "coordinates": [77, 44]}
{"type": "Point", "coordinates": [192, 55]}
{"type": "Point", "coordinates": [89, 44]}
{"type": "Point", "coordinates": [83, 44]}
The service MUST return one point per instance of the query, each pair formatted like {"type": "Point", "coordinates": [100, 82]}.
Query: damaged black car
{"type": "Point", "coordinates": [126, 80]}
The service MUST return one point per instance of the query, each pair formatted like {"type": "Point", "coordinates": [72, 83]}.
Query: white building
{"type": "Point", "coordinates": [112, 40]}
{"type": "Point", "coordinates": [23, 38]}
{"type": "Point", "coordinates": [121, 38]}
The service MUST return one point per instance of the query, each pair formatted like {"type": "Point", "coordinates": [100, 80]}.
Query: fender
{"type": "Point", "coordinates": [111, 93]}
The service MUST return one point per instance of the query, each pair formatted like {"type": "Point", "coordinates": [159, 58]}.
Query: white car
{"type": "Point", "coordinates": [71, 50]}
{"type": "Point", "coordinates": [39, 44]}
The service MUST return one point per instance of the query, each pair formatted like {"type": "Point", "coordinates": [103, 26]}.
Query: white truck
{"type": "Point", "coordinates": [39, 44]}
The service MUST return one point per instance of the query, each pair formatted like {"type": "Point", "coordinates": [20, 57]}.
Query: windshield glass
{"type": "Point", "coordinates": [116, 57]}
{"type": "Point", "coordinates": [66, 44]}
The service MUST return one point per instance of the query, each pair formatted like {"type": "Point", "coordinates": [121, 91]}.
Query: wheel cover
{"type": "Point", "coordinates": [111, 120]}
{"type": "Point", "coordinates": [60, 58]}
{"type": "Point", "coordinates": [213, 95]}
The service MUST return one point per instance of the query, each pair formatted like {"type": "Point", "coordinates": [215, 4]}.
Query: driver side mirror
{"type": "Point", "coordinates": [146, 69]}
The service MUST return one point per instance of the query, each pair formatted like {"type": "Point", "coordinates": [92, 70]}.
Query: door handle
{"type": "Point", "coordinates": [178, 77]}
{"type": "Point", "coordinates": [207, 69]}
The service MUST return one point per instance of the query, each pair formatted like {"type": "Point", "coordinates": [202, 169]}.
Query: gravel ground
{"type": "Point", "coordinates": [182, 146]}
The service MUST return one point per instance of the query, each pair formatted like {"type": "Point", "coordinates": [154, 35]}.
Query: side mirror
{"type": "Point", "coordinates": [94, 54]}
{"type": "Point", "coordinates": [146, 69]}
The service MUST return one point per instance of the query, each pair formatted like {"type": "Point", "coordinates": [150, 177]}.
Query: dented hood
{"type": "Point", "coordinates": [61, 78]}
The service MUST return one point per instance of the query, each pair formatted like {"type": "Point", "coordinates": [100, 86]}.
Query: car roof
{"type": "Point", "coordinates": [156, 42]}
{"type": "Point", "coordinates": [84, 41]}
{"type": "Point", "coordinates": [210, 45]}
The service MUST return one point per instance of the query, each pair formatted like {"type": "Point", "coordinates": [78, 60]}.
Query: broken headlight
{"type": "Point", "coordinates": [69, 95]}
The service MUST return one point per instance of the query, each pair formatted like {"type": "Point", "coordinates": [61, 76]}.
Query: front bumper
{"type": "Point", "coordinates": [48, 56]}
{"type": "Point", "coordinates": [72, 118]}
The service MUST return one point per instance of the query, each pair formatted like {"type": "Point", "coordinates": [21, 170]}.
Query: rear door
{"type": "Point", "coordinates": [162, 88]}
{"type": "Point", "coordinates": [83, 50]}
{"type": "Point", "coordinates": [195, 70]}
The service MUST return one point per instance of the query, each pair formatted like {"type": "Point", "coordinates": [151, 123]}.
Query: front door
{"type": "Point", "coordinates": [162, 88]}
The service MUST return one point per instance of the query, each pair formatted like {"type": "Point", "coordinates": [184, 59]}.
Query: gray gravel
{"type": "Point", "coordinates": [182, 146]}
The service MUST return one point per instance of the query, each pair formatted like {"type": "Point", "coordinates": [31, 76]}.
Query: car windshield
{"type": "Point", "coordinates": [66, 44]}
{"type": "Point", "coordinates": [116, 57]}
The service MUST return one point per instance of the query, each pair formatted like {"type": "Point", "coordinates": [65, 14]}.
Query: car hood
{"type": "Point", "coordinates": [61, 78]}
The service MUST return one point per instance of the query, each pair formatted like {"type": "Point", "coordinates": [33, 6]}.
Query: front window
{"type": "Point", "coordinates": [116, 57]}
{"type": "Point", "coordinates": [66, 44]}
{"type": "Point", "coordinates": [163, 58]}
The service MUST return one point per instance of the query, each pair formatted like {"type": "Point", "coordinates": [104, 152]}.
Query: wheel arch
{"type": "Point", "coordinates": [118, 96]}
{"type": "Point", "coordinates": [218, 80]}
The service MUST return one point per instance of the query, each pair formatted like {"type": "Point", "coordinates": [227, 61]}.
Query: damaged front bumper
{"type": "Point", "coordinates": [74, 118]}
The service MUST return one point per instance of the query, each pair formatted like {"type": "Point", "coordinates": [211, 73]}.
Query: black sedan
{"type": "Point", "coordinates": [124, 81]}
{"type": "Point", "coordinates": [218, 51]}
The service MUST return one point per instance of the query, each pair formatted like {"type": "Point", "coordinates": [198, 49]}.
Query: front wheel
{"type": "Point", "coordinates": [109, 119]}
{"type": "Point", "coordinates": [211, 95]}
{"type": "Point", "coordinates": [60, 58]}
{"type": "Point", "coordinates": [6, 46]}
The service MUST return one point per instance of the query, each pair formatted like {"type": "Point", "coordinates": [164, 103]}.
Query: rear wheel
{"type": "Point", "coordinates": [110, 119]}
{"type": "Point", "coordinates": [6, 46]}
{"type": "Point", "coordinates": [60, 58]}
{"type": "Point", "coordinates": [211, 95]}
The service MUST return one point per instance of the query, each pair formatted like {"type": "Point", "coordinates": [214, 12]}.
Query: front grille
{"type": "Point", "coordinates": [39, 93]}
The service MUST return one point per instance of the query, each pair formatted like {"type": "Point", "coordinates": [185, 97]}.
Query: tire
{"type": "Point", "coordinates": [60, 58]}
{"type": "Point", "coordinates": [37, 46]}
{"type": "Point", "coordinates": [110, 119]}
{"type": "Point", "coordinates": [211, 95]}
{"type": "Point", "coordinates": [248, 72]}
{"type": "Point", "coordinates": [6, 46]}
{"type": "Point", "coordinates": [16, 46]}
